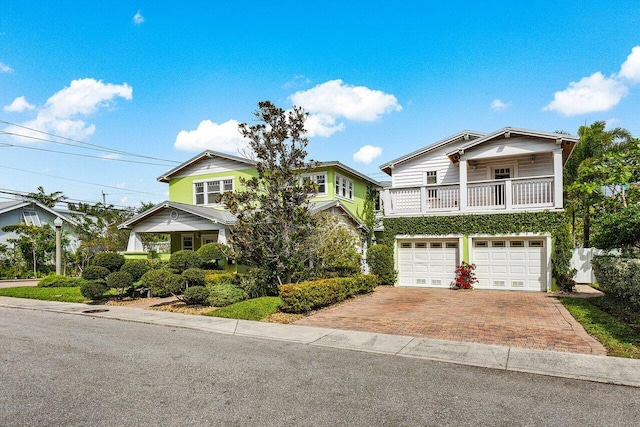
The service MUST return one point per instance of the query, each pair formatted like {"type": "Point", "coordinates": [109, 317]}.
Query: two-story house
{"type": "Point", "coordinates": [495, 200]}
{"type": "Point", "coordinates": [193, 215]}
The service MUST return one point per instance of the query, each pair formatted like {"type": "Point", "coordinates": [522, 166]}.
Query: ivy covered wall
{"type": "Point", "coordinates": [554, 223]}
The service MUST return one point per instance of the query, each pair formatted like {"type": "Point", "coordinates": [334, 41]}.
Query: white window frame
{"type": "Point", "coordinates": [314, 178]}
{"type": "Point", "coordinates": [431, 175]}
{"type": "Point", "coordinates": [30, 217]}
{"type": "Point", "coordinates": [344, 185]}
{"type": "Point", "coordinates": [182, 239]}
{"type": "Point", "coordinates": [205, 187]}
{"type": "Point", "coordinates": [208, 238]}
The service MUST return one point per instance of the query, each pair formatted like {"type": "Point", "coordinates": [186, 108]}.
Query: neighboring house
{"type": "Point", "coordinates": [193, 216]}
{"type": "Point", "coordinates": [491, 199]}
{"type": "Point", "coordinates": [31, 212]}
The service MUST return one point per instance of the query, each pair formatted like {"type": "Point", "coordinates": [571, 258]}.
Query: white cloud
{"type": "Point", "coordinates": [630, 69]}
{"type": "Point", "coordinates": [138, 18]}
{"type": "Point", "coordinates": [63, 112]}
{"type": "Point", "coordinates": [298, 80]}
{"type": "Point", "coordinates": [110, 156]}
{"type": "Point", "coordinates": [4, 68]}
{"type": "Point", "coordinates": [367, 154]}
{"type": "Point", "coordinates": [499, 105]}
{"type": "Point", "coordinates": [590, 94]}
{"type": "Point", "coordinates": [223, 137]}
{"type": "Point", "coordinates": [610, 123]}
{"type": "Point", "coordinates": [328, 102]}
{"type": "Point", "coordinates": [18, 105]}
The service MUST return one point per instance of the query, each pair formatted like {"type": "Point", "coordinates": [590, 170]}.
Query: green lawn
{"type": "Point", "coordinates": [50, 294]}
{"type": "Point", "coordinates": [252, 309]}
{"type": "Point", "coordinates": [608, 320]}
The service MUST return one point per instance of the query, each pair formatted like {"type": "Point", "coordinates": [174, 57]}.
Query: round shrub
{"type": "Point", "coordinates": [109, 260]}
{"type": "Point", "coordinates": [194, 277]}
{"type": "Point", "coordinates": [163, 283]}
{"type": "Point", "coordinates": [93, 290]}
{"type": "Point", "coordinates": [58, 281]}
{"type": "Point", "coordinates": [380, 261]}
{"type": "Point", "coordinates": [95, 272]}
{"type": "Point", "coordinates": [225, 294]}
{"type": "Point", "coordinates": [214, 255]}
{"type": "Point", "coordinates": [136, 268]}
{"type": "Point", "coordinates": [120, 280]}
{"type": "Point", "coordinates": [196, 295]}
{"type": "Point", "coordinates": [183, 260]}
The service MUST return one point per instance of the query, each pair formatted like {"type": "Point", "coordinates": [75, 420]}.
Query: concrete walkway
{"type": "Point", "coordinates": [18, 282]}
{"type": "Point", "coordinates": [604, 369]}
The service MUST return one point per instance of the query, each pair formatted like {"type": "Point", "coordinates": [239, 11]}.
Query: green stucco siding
{"type": "Point", "coordinates": [181, 189]}
{"type": "Point", "coordinates": [359, 190]}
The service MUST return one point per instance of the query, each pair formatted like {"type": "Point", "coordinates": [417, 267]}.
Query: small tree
{"type": "Point", "coordinates": [335, 247]}
{"type": "Point", "coordinates": [36, 244]}
{"type": "Point", "coordinates": [274, 222]}
{"type": "Point", "coordinates": [369, 215]}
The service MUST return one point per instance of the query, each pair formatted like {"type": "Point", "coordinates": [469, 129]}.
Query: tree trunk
{"type": "Point", "coordinates": [586, 224]}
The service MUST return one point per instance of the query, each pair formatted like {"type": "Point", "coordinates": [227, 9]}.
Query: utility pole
{"type": "Point", "coordinates": [104, 198]}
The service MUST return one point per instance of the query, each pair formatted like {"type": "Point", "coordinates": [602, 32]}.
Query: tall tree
{"type": "Point", "coordinates": [274, 222]}
{"type": "Point", "coordinates": [595, 141]}
{"type": "Point", "coordinates": [47, 199]}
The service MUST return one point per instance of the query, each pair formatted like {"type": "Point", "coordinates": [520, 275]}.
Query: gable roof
{"type": "Point", "coordinates": [19, 204]}
{"type": "Point", "coordinates": [316, 207]}
{"type": "Point", "coordinates": [214, 215]}
{"type": "Point", "coordinates": [464, 135]}
{"type": "Point", "coordinates": [565, 141]}
{"type": "Point", "coordinates": [337, 164]}
{"type": "Point", "coordinates": [202, 156]}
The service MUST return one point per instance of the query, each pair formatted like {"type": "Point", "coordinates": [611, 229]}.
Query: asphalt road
{"type": "Point", "coordinates": [58, 369]}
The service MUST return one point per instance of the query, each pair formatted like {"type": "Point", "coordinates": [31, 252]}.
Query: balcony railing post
{"type": "Point", "coordinates": [508, 194]}
{"type": "Point", "coordinates": [423, 199]}
{"type": "Point", "coordinates": [463, 185]}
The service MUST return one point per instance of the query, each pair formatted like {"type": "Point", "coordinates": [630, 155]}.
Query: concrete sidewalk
{"type": "Point", "coordinates": [603, 369]}
{"type": "Point", "coordinates": [14, 283]}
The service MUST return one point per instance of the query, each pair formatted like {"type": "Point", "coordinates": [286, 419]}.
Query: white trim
{"type": "Point", "coordinates": [205, 181]}
{"type": "Point", "coordinates": [208, 236]}
{"type": "Point", "coordinates": [182, 236]}
{"type": "Point", "coordinates": [341, 180]}
{"type": "Point", "coordinates": [313, 176]}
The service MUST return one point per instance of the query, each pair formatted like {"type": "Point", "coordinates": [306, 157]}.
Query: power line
{"type": "Point", "coordinates": [67, 200]}
{"type": "Point", "coordinates": [95, 146]}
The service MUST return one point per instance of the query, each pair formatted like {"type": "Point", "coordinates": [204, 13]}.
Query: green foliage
{"type": "Point", "coordinates": [49, 200]}
{"type": "Point", "coordinates": [35, 245]}
{"type": "Point", "coordinates": [136, 268]}
{"type": "Point", "coordinates": [163, 283]}
{"type": "Point", "coordinates": [225, 294]}
{"type": "Point", "coordinates": [619, 277]}
{"type": "Point", "coordinates": [92, 289]}
{"type": "Point", "coordinates": [196, 295]}
{"type": "Point", "coordinates": [95, 272]}
{"type": "Point", "coordinates": [184, 260]}
{"type": "Point", "coordinates": [120, 281]}
{"type": "Point", "coordinates": [561, 259]}
{"type": "Point", "coordinates": [368, 215]}
{"type": "Point", "coordinates": [380, 261]}
{"type": "Point", "coordinates": [110, 260]}
{"type": "Point", "coordinates": [214, 255]}
{"type": "Point", "coordinates": [213, 279]}
{"type": "Point", "coordinates": [252, 283]}
{"type": "Point", "coordinates": [618, 230]}
{"type": "Point", "coordinates": [70, 294]}
{"type": "Point", "coordinates": [274, 221]}
{"type": "Point", "coordinates": [58, 281]}
{"type": "Point", "coordinates": [253, 309]}
{"type": "Point", "coordinates": [194, 277]}
{"type": "Point", "coordinates": [306, 296]}
{"type": "Point", "coordinates": [335, 248]}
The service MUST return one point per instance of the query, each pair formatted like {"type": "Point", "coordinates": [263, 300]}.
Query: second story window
{"type": "Point", "coordinates": [320, 179]}
{"type": "Point", "coordinates": [344, 187]}
{"type": "Point", "coordinates": [208, 192]}
{"type": "Point", "coordinates": [432, 177]}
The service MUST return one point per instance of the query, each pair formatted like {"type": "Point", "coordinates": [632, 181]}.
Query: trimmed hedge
{"type": "Point", "coordinates": [120, 280]}
{"type": "Point", "coordinates": [380, 261]}
{"type": "Point", "coordinates": [110, 260]}
{"type": "Point", "coordinates": [95, 272]}
{"type": "Point", "coordinates": [136, 268]}
{"type": "Point", "coordinates": [306, 296]}
{"type": "Point", "coordinates": [93, 290]}
{"type": "Point", "coordinates": [619, 277]}
{"type": "Point", "coordinates": [163, 283]}
{"type": "Point", "coordinates": [184, 260]}
{"type": "Point", "coordinates": [214, 255]}
{"type": "Point", "coordinates": [194, 277]}
{"type": "Point", "coordinates": [225, 294]}
{"type": "Point", "coordinates": [196, 295]}
{"type": "Point", "coordinates": [213, 279]}
{"type": "Point", "coordinates": [58, 281]}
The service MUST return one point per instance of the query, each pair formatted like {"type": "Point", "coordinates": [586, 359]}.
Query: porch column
{"type": "Point", "coordinates": [463, 185]}
{"type": "Point", "coordinates": [222, 236]}
{"type": "Point", "coordinates": [557, 178]}
{"type": "Point", "coordinates": [135, 243]}
{"type": "Point", "coordinates": [423, 199]}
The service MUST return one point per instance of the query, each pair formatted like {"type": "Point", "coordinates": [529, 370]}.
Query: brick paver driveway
{"type": "Point", "coordinates": [520, 319]}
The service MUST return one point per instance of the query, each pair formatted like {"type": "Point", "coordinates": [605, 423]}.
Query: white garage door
{"type": "Point", "coordinates": [427, 262]}
{"type": "Point", "coordinates": [513, 263]}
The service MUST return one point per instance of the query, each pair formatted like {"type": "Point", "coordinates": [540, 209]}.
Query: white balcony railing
{"type": "Point", "coordinates": [506, 194]}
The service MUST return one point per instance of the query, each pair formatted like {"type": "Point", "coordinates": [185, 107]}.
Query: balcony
{"type": "Point", "coordinates": [481, 196]}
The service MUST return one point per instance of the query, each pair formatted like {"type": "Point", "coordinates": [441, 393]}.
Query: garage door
{"type": "Point", "coordinates": [510, 263]}
{"type": "Point", "coordinates": [427, 262]}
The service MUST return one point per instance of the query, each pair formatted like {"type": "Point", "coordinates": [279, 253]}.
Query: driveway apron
{"type": "Point", "coordinates": [521, 319]}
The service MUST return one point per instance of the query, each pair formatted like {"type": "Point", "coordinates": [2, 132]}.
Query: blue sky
{"type": "Point", "coordinates": [379, 79]}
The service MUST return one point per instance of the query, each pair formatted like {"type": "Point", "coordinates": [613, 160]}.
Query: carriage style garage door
{"type": "Point", "coordinates": [427, 262]}
{"type": "Point", "coordinates": [510, 263]}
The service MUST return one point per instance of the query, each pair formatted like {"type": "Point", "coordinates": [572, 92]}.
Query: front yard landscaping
{"type": "Point", "coordinates": [611, 321]}
{"type": "Point", "coordinates": [64, 294]}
